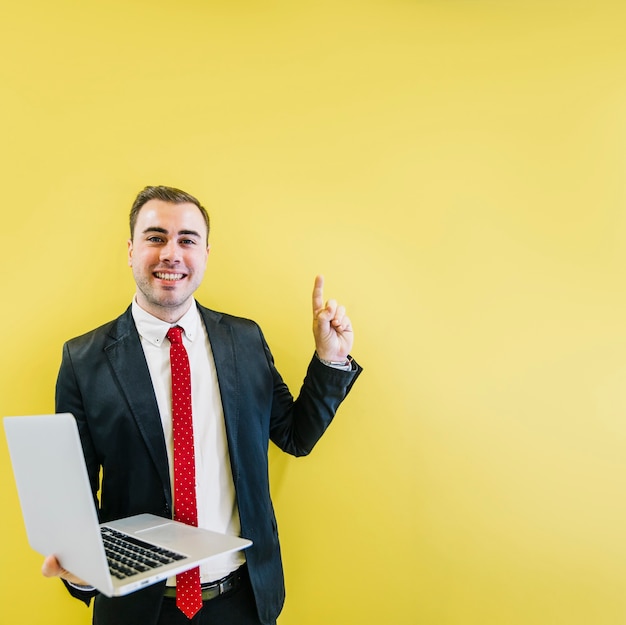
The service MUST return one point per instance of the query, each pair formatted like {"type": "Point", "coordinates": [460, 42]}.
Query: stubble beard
{"type": "Point", "coordinates": [165, 299]}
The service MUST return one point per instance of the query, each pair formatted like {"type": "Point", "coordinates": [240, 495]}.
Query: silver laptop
{"type": "Point", "coordinates": [60, 515]}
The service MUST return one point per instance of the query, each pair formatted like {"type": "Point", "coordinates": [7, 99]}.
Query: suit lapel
{"type": "Point", "coordinates": [129, 365]}
{"type": "Point", "coordinates": [222, 346]}
{"type": "Point", "coordinates": [131, 370]}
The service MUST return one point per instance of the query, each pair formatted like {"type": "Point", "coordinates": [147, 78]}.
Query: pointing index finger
{"type": "Point", "coordinates": [318, 295]}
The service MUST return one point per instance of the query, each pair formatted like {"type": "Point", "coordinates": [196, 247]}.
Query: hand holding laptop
{"type": "Point", "coordinates": [117, 557]}
{"type": "Point", "coordinates": [52, 568]}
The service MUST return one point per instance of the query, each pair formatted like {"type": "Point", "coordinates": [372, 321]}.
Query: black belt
{"type": "Point", "coordinates": [211, 590]}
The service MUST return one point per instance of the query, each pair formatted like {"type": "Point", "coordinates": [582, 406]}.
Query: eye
{"type": "Point", "coordinates": [154, 239]}
{"type": "Point", "coordinates": [187, 242]}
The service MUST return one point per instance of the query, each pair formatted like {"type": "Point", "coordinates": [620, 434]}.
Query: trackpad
{"type": "Point", "coordinates": [169, 532]}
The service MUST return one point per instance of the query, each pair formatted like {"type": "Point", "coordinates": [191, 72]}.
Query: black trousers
{"type": "Point", "coordinates": [236, 607]}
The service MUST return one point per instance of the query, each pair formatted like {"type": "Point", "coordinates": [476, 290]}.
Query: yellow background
{"type": "Point", "coordinates": [456, 169]}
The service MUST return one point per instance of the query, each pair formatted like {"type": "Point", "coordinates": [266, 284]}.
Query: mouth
{"type": "Point", "coordinates": [169, 277]}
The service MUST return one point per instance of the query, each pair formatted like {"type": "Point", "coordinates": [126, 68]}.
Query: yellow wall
{"type": "Point", "coordinates": [457, 171]}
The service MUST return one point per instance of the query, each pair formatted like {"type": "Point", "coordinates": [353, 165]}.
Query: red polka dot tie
{"type": "Point", "coordinates": [188, 591]}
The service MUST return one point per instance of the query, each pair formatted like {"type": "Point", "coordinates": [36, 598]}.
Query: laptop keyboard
{"type": "Point", "coordinates": [128, 556]}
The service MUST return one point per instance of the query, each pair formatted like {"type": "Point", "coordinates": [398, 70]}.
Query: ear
{"type": "Point", "coordinates": [130, 252]}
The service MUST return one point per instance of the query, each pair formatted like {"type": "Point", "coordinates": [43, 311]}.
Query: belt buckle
{"type": "Point", "coordinates": [220, 587]}
{"type": "Point", "coordinates": [227, 584]}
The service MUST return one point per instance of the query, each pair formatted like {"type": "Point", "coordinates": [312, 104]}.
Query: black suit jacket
{"type": "Point", "coordinates": [105, 383]}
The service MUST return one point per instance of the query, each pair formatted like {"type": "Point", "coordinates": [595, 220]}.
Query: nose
{"type": "Point", "coordinates": [170, 252]}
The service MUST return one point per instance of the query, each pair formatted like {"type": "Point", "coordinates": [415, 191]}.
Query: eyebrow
{"type": "Point", "coordinates": [164, 231]}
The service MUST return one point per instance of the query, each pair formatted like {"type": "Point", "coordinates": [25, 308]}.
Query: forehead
{"type": "Point", "coordinates": [170, 216]}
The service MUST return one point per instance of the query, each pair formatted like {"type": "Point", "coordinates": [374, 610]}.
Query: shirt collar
{"type": "Point", "coordinates": [154, 330]}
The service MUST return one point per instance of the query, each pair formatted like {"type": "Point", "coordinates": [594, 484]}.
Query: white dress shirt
{"type": "Point", "coordinates": [215, 490]}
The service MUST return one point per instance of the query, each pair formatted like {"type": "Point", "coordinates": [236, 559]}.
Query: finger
{"type": "Point", "coordinates": [327, 313]}
{"type": "Point", "coordinates": [340, 313]}
{"type": "Point", "coordinates": [318, 295]}
{"type": "Point", "coordinates": [345, 326]}
{"type": "Point", "coordinates": [50, 567]}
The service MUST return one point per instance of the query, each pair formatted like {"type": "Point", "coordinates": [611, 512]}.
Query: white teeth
{"type": "Point", "coordinates": [168, 276]}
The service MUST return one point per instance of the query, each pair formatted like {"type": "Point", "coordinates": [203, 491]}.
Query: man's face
{"type": "Point", "coordinates": [168, 255]}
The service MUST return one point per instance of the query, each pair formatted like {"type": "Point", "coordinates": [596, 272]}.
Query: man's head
{"type": "Point", "coordinates": [168, 250]}
{"type": "Point", "coordinates": [166, 194]}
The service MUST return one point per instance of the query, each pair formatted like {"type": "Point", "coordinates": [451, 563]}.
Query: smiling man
{"type": "Point", "coordinates": [167, 252]}
{"type": "Point", "coordinates": [117, 382]}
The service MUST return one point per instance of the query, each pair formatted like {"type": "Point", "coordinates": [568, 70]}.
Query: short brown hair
{"type": "Point", "coordinates": [167, 194]}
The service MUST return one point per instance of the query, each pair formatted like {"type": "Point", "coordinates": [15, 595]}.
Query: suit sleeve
{"type": "Point", "coordinates": [297, 424]}
{"type": "Point", "coordinates": [68, 398]}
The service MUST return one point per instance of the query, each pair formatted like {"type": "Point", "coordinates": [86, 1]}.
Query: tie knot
{"type": "Point", "coordinates": [175, 335]}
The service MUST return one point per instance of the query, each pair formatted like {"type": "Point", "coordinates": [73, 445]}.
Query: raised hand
{"type": "Point", "coordinates": [332, 329]}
